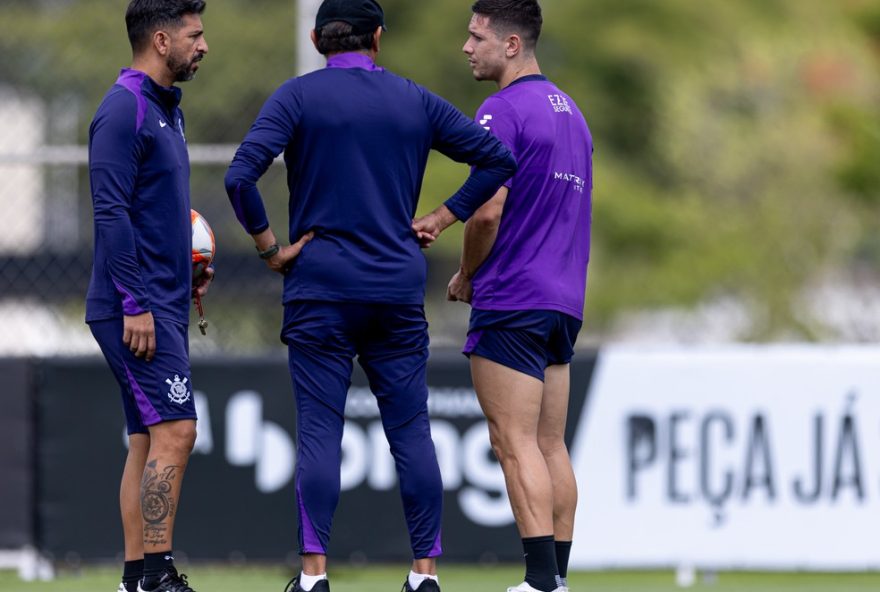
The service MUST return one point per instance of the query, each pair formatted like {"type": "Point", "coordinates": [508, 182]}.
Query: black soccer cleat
{"type": "Point", "coordinates": [425, 586]}
{"type": "Point", "coordinates": [293, 586]}
{"type": "Point", "coordinates": [169, 581]}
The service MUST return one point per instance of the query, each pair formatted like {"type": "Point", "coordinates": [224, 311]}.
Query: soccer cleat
{"type": "Point", "coordinates": [293, 586]}
{"type": "Point", "coordinates": [170, 581]}
{"type": "Point", "coordinates": [426, 586]}
{"type": "Point", "coordinates": [526, 587]}
{"type": "Point", "coordinates": [121, 588]}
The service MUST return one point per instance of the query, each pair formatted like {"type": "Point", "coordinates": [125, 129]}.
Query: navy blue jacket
{"type": "Point", "coordinates": [139, 171]}
{"type": "Point", "coordinates": [356, 140]}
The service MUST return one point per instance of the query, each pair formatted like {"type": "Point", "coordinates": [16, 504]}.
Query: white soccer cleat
{"type": "Point", "coordinates": [526, 587]}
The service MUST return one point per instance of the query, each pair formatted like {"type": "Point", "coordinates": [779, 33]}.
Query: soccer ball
{"type": "Point", "coordinates": [203, 246]}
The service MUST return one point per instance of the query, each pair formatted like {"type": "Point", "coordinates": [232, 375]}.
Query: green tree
{"type": "Point", "coordinates": [736, 142]}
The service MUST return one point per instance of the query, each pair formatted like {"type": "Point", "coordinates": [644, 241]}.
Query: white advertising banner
{"type": "Point", "coordinates": [764, 458]}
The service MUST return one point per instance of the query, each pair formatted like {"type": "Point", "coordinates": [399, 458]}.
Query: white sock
{"type": "Point", "coordinates": [415, 580]}
{"type": "Point", "coordinates": [308, 582]}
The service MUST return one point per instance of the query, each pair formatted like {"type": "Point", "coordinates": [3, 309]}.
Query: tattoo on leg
{"type": "Point", "coordinates": [157, 503]}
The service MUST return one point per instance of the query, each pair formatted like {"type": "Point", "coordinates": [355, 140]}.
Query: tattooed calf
{"type": "Point", "coordinates": [157, 502]}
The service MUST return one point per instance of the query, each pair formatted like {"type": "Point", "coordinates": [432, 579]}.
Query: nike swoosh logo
{"type": "Point", "coordinates": [162, 123]}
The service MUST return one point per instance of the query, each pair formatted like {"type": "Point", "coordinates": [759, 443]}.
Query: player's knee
{"type": "Point", "coordinates": [187, 437]}
{"type": "Point", "coordinates": [502, 446]}
{"type": "Point", "coordinates": [180, 436]}
{"type": "Point", "coordinates": [500, 452]}
{"type": "Point", "coordinates": [551, 445]}
{"type": "Point", "coordinates": [500, 437]}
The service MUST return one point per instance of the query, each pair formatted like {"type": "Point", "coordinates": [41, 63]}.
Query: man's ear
{"type": "Point", "coordinates": [162, 43]}
{"type": "Point", "coordinates": [377, 37]}
{"type": "Point", "coordinates": [314, 37]}
{"type": "Point", "coordinates": [513, 46]}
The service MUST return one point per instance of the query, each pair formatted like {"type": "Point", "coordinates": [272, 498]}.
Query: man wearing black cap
{"type": "Point", "coordinates": [356, 140]}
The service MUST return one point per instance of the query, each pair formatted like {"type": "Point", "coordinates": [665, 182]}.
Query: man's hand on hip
{"type": "Point", "coordinates": [139, 334]}
{"type": "Point", "coordinates": [428, 228]}
{"type": "Point", "coordinates": [285, 256]}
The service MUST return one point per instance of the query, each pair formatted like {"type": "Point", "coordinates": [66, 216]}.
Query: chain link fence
{"type": "Point", "coordinates": [60, 57]}
{"type": "Point", "coordinates": [46, 242]}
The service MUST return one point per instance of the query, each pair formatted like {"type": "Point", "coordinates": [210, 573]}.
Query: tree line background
{"type": "Point", "coordinates": [737, 163]}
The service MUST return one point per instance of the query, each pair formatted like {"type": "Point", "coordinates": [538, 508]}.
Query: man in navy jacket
{"type": "Point", "coordinates": [138, 301]}
{"type": "Point", "coordinates": [356, 139]}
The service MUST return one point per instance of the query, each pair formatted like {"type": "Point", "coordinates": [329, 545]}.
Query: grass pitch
{"type": "Point", "coordinates": [212, 578]}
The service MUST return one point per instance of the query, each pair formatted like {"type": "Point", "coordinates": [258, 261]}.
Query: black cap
{"type": "Point", "coordinates": [363, 15]}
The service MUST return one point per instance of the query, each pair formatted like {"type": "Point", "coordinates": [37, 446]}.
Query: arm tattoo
{"type": "Point", "coordinates": [157, 502]}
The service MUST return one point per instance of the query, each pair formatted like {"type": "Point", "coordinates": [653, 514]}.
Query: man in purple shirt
{"type": "Point", "coordinates": [524, 271]}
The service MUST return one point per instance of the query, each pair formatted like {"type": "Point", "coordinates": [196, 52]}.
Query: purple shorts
{"type": "Point", "coordinates": [155, 391]}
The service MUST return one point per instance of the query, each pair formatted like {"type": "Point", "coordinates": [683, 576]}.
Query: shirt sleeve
{"type": "Point", "coordinates": [499, 118]}
{"type": "Point", "coordinates": [463, 140]}
{"type": "Point", "coordinates": [115, 151]}
{"type": "Point", "coordinates": [268, 137]}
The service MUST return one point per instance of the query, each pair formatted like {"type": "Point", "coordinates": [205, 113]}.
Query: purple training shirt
{"type": "Point", "coordinates": [539, 260]}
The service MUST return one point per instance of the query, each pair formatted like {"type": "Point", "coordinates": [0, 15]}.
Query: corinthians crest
{"type": "Point", "coordinates": [179, 392]}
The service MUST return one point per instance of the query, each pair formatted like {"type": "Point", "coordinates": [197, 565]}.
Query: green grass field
{"type": "Point", "coordinates": [208, 578]}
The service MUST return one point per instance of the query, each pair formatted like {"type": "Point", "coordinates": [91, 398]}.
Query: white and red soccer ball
{"type": "Point", "coordinates": [203, 245]}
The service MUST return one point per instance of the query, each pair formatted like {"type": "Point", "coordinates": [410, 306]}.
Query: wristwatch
{"type": "Point", "coordinates": [270, 252]}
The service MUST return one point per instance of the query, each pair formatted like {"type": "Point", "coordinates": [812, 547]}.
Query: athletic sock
{"type": "Point", "coordinates": [155, 564]}
{"type": "Point", "coordinates": [540, 556]}
{"type": "Point", "coordinates": [416, 579]}
{"type": "Point", "coordinates": [563, 550]}
{"type": "Point", "coordinates": [132, 574]}
{"type": "Point", "coordinates": [308, 582]}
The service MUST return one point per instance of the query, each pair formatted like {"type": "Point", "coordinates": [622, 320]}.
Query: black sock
{"type": "Point", "coordinates": [563, 550]}
{"type": "Point", "coordinates": [540, 555]}
{"type": "Point", "coordinates": [155, 564]}
{"type": "Point", "coordinates": [132, 573]}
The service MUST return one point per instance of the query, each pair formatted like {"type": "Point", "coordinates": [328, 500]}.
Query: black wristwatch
{"type": "Point", "coordinates": [270, 252]}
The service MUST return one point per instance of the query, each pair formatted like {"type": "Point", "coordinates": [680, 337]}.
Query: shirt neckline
{"type": "Point", "coordinates": [353, 59]}
{"type": "Point", "coordinates": [529, 78]}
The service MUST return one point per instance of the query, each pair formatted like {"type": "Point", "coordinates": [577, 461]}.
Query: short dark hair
{"type": "Point", "coordinates": [513, 16]}
{"type": "Point", "coordinates": [338, 37]}
{"type": "Point", "coordinates": [144, 17]}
